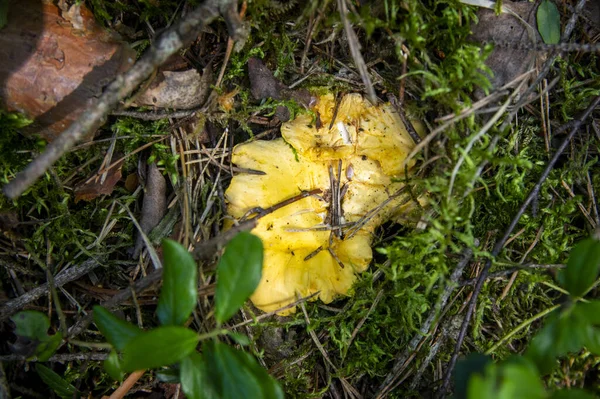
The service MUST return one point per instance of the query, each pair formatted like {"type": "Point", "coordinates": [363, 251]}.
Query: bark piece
{"type": "Point", "coordinates": [154, 206]}
{"type": "Point", "coordinates": [51, 66]}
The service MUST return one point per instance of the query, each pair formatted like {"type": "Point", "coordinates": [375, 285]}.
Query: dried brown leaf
{"type": "Point", "coordinates": [94, 187]}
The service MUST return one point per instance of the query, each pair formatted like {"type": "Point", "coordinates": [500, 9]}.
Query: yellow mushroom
{"type": "Point", "coordinates": [320, 242]}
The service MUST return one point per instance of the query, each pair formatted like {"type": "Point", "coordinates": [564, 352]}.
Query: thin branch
{"type": "Point", "coordinates": [60, 358]}
{"type": "Point", "coordinates": [71, 274]}
{"type": "Point", "coordinates": [171, 41]}
{"type": "Point", "coordinates": [403, 360]}
{"type": "Point", "coordinates": [500, 244]}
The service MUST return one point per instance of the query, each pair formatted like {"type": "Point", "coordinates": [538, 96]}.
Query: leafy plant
{"type": "Point", "coordinates": [572, 326]}
{"type": "Point", "coordinates": [221, 371]}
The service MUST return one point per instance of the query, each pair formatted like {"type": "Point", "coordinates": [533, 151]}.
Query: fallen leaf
{"type": "Point", "coordinates": [50, 68]}
{"type": "Point", "coordinates": [177, 89]}
{"type": "Point", "coordinates": [263, 85]}
{"type": "Point", "coordinates": [94, 187]}
{"type": "Point", "coordinates": [507, 33]}
{"type": "Point", "coordinates": [154, 205]}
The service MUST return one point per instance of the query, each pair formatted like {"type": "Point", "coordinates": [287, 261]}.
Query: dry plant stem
{"type": "Point", "coordinates": [71, 274]}
{"type": "Point", "coordinates": [171, 41]}
{"type": "Point", "coordinates": [127, 385]}
{"type": "Point", "coordinates": [402, 361]}
{"type": "Point", "coordinates": [354, 45]}
{"type": "Point", "coordinates": [520, 327]}
{"type": "Point", "coordinates": [500, 244]}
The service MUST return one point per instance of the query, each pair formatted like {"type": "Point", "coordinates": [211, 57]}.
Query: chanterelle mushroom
{"type": "Point", "coordinates": [319, 243]}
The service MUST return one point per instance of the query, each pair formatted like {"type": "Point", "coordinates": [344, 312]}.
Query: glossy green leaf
{"type": "Point", "coordinates": [31, 324]}
{"type": "Point", "coordinates": [582, 268]}
{"type": "Point", "coordinates": [46, 349]}
{"type": "Point", "coordinates": [112, 365]}
{"type": "Point", "coordinates": [474, 363]}
{"type": "Point", "coordinates": [237, 374]}
{"type": "Point", "coordinates": [194, 378]}
{"type": "Point", "coordinates": [159, 347]}
{"type": "Point", "coordinates": [61, 387]}
{"type": "Point", "coordinates": [238, 274]}
{"type": "Point", "coordinates": [116, 331]}
{"type": "Point", "coordinates": [180, 285]}
{"type": "Point", "coordinates": [548, 22]}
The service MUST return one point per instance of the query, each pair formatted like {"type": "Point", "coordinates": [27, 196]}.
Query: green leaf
{"type": "Point", "coordinates": [112, 365]}
{"type": "Point", "coordinates": [236, 374]}
{"type": "Point", "coordinates": [169, 375]}
{"type": "Point", "coordinates": [61, 387]}
{"type": "Point", "coordinates": [180, 285]}
{"type": "Point", "coordinates": [582, 268]}
{"type": "Point", "coordinates": [589, 311]}
{"type": "Point", "coordinates": [46, 349]}
{"type": "Point", "coordinates": [512, 379]}
{"type": "Point", "coordinates": [572, 394]}
{"type": "Point", "coordinates": [194, 378]}
{"type": "Point", "coordinates": [239, 339]}
{"type": "Point", "coordinates": [563, 333]}
{"type": "Point", "coordinates": [117, 332]}
{"type": "Point", "coordinates": [238, 274]}
{"type": "Point", "coordinates": [159, 347]}
{"type": "Point", "coordinates": [548, 22]}
{"type": "Point", "coordinates": [474, 363]}
{"type": "Point", "coordinates": [32, 324]}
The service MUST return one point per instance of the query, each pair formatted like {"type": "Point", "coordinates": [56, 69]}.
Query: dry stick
{"type": "Point", "coordinates": [60, 358]}
{"type": "Point", "coordinates": [127, 385]}
{"type": "Point", "coordinates": [171, 41]}
{"type": "Point", "coordinates": [354, 45]}
{"type": "Point", "coordinates": [500, 244]}
{"type": "Point", "coordinates": [401, 362]}
{"type": "Point", "coordinates": [64, 277]}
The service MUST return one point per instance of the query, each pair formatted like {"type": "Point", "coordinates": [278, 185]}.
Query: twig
{"type": "Point", "coordinates": [156, 115]}
{"type": "Point", "coordinates": [354, 45]}
{"type": "Point", "coordinates": [61, 358]}
{"type": "Point", "coordinates": [500, 244]}
{"type": "Point", "coordinates": [402, 361]}
{"type": "Point", "coordinates": [407, 123]}
{"type": "Point", "coordinates": [127, 385]}
{"type": "Point", "coordinates": [64, 277]}
{"type": "Point", "coordinates": [171, 41]}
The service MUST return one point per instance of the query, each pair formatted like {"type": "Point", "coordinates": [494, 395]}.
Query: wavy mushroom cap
{"type": "Point", "coordinates": [304, 252]}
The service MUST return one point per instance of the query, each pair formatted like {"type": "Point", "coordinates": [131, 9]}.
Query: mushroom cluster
{"type": "Point", "coordinates": [337, 172]}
